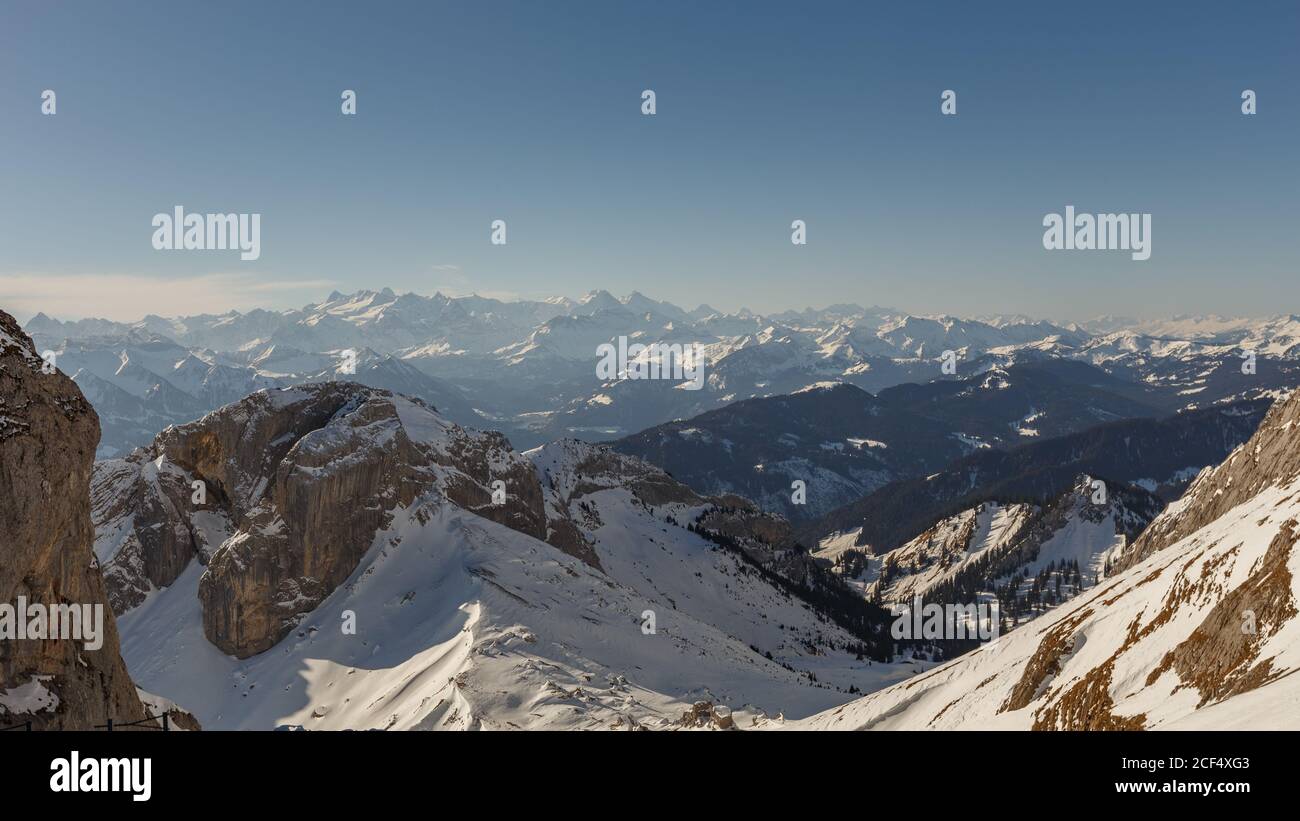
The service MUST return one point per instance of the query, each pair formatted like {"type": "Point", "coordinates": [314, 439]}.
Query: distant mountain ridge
{"type": "Point", "coordinates": [1161, 455]}
{"type": "Point", "coordinates": [843, 443]}
{"type": "Point", "coordinates": [528, 367]}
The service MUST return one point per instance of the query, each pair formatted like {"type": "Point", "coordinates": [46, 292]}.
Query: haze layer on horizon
{"type": "Point", "coordinates": [765, 114]}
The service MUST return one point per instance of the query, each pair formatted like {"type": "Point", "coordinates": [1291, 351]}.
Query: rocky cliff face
{"type": "Point", "coordinates": [281, 494]}
{"type": "Point", "coordinates": [599, 592]}
{"type": "Point", "coordinates": [48, 434]}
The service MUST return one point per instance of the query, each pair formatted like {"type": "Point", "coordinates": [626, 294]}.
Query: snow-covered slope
{"type": "Point", "coordinates": [1197, 629]}
{"type": "Point", "coordinates": [990, 545]}
{"type": "Point", "coordinates": [641, 600]}
{"type": "Point", "coordinates": [940, 554]}
{"type": "Point", "coordinates": [465, 624]}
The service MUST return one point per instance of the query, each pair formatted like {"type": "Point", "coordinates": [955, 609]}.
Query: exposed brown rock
{"type": "Point", "coordinates": [1221, 656]}
{"type": "Point", "coordinates": [704, 715]}
{"type": "Point", "coordinates": [48, 435]}
{"type": "Point", "coordinates": [335, 485]}
{"type": "Point", "coordinates": [1087, 706]}
{"type": "Point", "coordinates": [160, 542]}
{"type": "Point", "coordinates": [1045, 664]}
{"type": "Point", "coordinates": [301, 481]}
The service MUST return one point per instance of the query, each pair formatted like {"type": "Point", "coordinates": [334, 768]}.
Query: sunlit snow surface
{"type": "Point", "coordinates": [463, 623]}
{"type": "Point", "coordinates": [1196, 572]}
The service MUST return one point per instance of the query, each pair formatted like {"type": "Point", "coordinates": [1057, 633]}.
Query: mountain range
{"type": "Point", "coordinates": [1159, 455]}
{"type": "Point", "coordinates": [289, 541]}
{"type": "Point", "coordinates": [527, 368]}
{"type": "Point", "coordinates": [844, 443]}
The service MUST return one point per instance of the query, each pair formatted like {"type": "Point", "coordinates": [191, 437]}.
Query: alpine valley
{"type": "Point", "coordinates": [388, 511]}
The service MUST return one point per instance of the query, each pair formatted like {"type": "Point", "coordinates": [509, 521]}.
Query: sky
{"type": "Point", "coordinates": [766, 112]}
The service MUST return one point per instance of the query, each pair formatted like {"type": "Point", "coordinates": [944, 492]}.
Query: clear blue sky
{"type": "Point", "coordinates": [767, 112]}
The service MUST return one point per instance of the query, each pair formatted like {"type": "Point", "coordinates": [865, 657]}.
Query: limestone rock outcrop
{"type": "Point", "coordinates": [48, 435]}
{"type": "Point", "coordinates": [280, 495]}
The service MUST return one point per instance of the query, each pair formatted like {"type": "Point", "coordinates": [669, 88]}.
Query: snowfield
{"type": "Point", "coordinates": [463, 623]}
{"type": "Point", "coordinates": [466, 624]}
